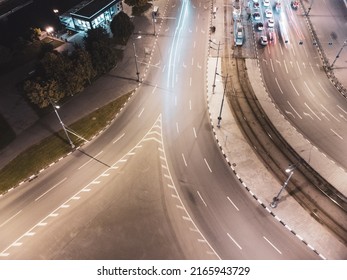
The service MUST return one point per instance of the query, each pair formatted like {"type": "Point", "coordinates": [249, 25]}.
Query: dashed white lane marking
{"type": "Point", "coordinates": [57, 184]}
{"type": "Point", "coordinates": [294, 110]}
{"type": "Point", "coordinates": [194, 132]}
{"type": "Point", "coordinates": [141, 112]}
{"type": "Point", "coordinates": [9, 219]}
{"type": "Point", "coordinates": [330, 113]}
{"type": "Point", "coordinates": [336, 134]}
{"type": "Point", "coordinates": [178, 131]}
{"type": "Point", "coordinates": [285, 66]}
{"type": "Point", "coordinates": [272, 66]}
{"type": "Point", "coordinates": [201, 198]}
{"type": "Point", "coordinates": [237, 244]}
{"type": "Point", "coordinates": [312, 111]}
{"type": "Point", "coordinates": [294, 87]}
{"type": "Point", "coordinates": [233, 203]}
{"type": "Point", "coordinates": [208, 166]}
{"type": "Point", "coordinates": [120, 137]}
{"type": "Point", "coordinates": [272, 245]}
{"type": "Point", "coordinates": [297, 63]}
{"type": "Point", "coordinates": [278, 85]}
{"type": "Point", "coordinates": [309, 90]}
{"type": "Point", "coordinates": [184, 160]}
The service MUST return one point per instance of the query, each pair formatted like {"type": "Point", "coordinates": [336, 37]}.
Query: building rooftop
{"type": "Point", "coordinates": [94, 7]}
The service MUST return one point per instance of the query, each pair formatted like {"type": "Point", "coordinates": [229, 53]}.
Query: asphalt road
{"type": "Point", "coordinates": [298, 85]}
{"type": "Point", "coordinates": [154, 185]}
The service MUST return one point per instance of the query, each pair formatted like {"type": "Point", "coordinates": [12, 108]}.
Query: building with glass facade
{"type": "Point", "coordinates": [90, 14]}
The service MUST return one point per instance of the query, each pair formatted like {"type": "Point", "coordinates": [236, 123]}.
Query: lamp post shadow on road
{"type": "Point", "coordinates": [222, 103]}
{"type": "Point", "coordinates": [215, 71]}
{"type": "Point", "coordinates": [137, 69]}
{"type": "Point", "coordinates": [290, 171]}
{"type": "Point", "coordinates": [338, 54]}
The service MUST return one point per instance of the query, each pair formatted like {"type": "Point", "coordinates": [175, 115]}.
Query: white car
{"type": "Point", "coordinates": [270, 23]}
{"type": "Point", "coordinates": [268, 13]}
{"type": "Point", "coordinates": [263, 40]}
{"type": "Point", "coordinates": [256, 1]}
{"type": "Point", "coordinates": [256, 16]}
{"type": "Point", "coordinates": [266, 3]}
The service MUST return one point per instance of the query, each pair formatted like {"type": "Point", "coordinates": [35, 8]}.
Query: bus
{"type": "Point", "coordinates": [283, 32]}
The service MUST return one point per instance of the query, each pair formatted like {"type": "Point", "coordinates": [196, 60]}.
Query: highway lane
{"type": "Point", "coordinates": [234, 224]}
{"type": "Point", "coordinates": [299, 86]}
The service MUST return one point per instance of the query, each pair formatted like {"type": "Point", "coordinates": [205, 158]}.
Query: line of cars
{"type": "Point", "coordinates": [269, 20]}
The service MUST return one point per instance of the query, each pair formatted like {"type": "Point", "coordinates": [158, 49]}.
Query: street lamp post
{"type": "Point", "coordinates": [137, 69]}
{"type": "Point", "coordinates": [289, 170]}
{"type": "Point", "coordinates": [221, 105]}
{"type": "Point", "coordinates": [338, 54]}
{"type": "Point", "coordinates": [154, 19]}
{"type": "Point", "coordinates": [215, 71]}
{"type": "Point", "coordinates": [61, 122]}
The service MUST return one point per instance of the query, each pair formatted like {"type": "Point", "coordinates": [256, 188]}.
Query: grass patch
{"type": "Point", "coordinates": [55, 146]}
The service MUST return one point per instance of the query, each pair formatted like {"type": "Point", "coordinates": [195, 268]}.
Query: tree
{"type": "Point", "coordinates": [41, 92]}
{"type": "Point", "coordinates": [138, 6]}
{"type": "Point", "coordinates": [101, 49]}
{"type": "Point", "coordinates": [122, 27]}
{"type": "Point", "coordinates": [82, 63]}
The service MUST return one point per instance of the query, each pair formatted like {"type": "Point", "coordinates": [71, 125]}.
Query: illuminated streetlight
{"type": "Point", "coordinates": [55, 107]}
{"type": "Point", "coordinates": [290, 171]}
{"type": "Point", "coordinates": [49, 30]}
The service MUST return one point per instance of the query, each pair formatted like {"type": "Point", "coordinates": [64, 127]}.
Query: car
{"type": "Point", "coordinates": [256, 16]}
{"type": "Point", "coordinates": [255, 5]}
{"type": "Point", "coordinates": [259, 26]}
{"type": "Point", "coordinates": [295, 5]}
{"type": "Point", "coordinates": [255, 1]}
{"type": "Point", "coordinates": [266, 3]}
{"type": "Point", "coordinates": [270, 23]}
{"type": "Point", "coordinates": [263, 40]}
{"type": "Point", "coordinates": [268, 13]}
{"type": "Point", "coordinates": [278, 6]}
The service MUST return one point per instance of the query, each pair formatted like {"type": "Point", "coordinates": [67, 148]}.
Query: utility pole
{"type": "Point", "coordinates": [61, 122]}
{"type": "Point", "coordinates": [137, 69]}
{"type": "Point", "coordinates": [221, 106]}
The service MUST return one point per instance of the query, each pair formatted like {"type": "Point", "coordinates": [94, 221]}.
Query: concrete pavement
{"type": "Point", "coordinates": [260, 182]}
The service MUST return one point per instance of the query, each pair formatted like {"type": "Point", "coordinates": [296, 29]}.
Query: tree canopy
{"type": "Point", "coordinates": [122, 27]}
